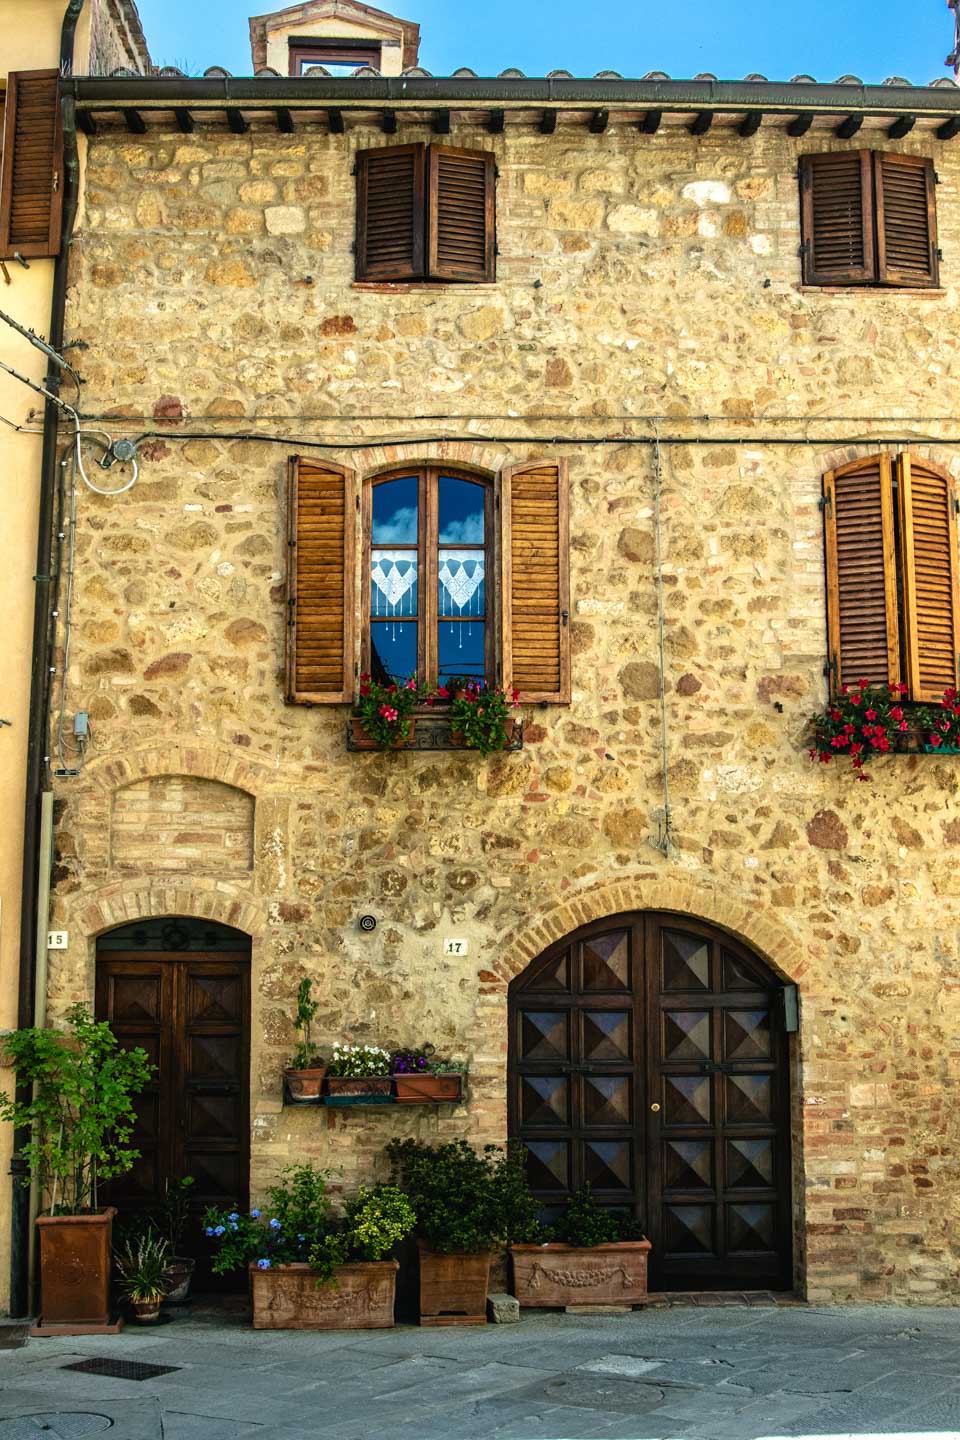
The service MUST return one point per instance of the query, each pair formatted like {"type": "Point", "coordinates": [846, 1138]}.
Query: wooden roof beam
{"type": "Point", "coordinates": [135, 122]}
{"type": "Point", "coordinates": [750, 124]}
{"type": "Point", "coordinates": [849, 127]}
{"type": "Point", "coordinates": [949, 128]}
{"type": "Point", "coordinates": [86, 122]}
{"type": "Point", "coordinates": [901, 127]}
{"type": "Point", "coordinates": [599, 121]}
{"type": "Point", "coordinates": [548, 122]}
{"type": "Point", "coordinates": [800, 125]}
{"type": "Point", "coordinates": [284, 120]}
{"type": "Point", "coordinates": [388, 122]}
{"type": "Point", "coordinates": [184, 120]}
{"type": "Point", "coordinates": [335, 120]}
{"type": "Point", "coordinates": [650, 123]}
{"type": "Point", "coordinates": [441, 122]}
{"type": "Point", "coordinates": [702, 123]}
{"type": "Point", "coordinates": [239, 125]}
{"type": "Point", "coordinates": [495, 122]}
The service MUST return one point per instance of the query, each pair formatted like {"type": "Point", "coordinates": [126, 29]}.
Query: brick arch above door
{"type": "Point", "coordinates": [745, 917]}
{"type": "Point", "coordinates": [91, 912]}
{"type": "Point", "coordinates": [203, 760]}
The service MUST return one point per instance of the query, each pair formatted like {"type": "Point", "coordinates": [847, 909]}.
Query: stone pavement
{"type": "Point", "coordinates": [737, 1372]}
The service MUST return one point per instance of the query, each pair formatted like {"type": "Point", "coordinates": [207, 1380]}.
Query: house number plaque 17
{"type": "Point", "coordinates": [455, 947]}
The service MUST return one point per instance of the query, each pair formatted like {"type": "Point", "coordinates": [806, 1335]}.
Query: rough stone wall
{"type": "Point", "coordinates": [637, 276]}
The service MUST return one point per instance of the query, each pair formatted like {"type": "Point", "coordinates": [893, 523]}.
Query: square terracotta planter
{"type": "Point", "coordinates": [427, 1089]}
{"type": "Point", "coordinates": [287, 1297]}
{"type": "Point", "coordinates": [571, 1275]}
{"type": "Point", "coordinates": [75, 1268]}
{"type": "Point", "coordinates": [453, 1288]}
{"type": "Point", "coordinates": [359, 1087]}
{"type": "Point", "coordinates": [362, 741]}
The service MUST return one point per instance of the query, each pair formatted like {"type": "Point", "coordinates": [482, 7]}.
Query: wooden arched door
{"type": "Point", "coordinates": [647, 1057]}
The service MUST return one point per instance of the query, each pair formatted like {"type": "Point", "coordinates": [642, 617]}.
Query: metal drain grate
{"type": "Point", "coordinates": [121, 1369]}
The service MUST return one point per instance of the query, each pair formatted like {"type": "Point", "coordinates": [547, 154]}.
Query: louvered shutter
{"type": "Point", "coordinates": [928, 527]}
{"type": "Point", "coordinates": [862, 629]}
{"type": "Point", "coordinates": [462, 214]}
{"type": "Point", "coordinates": [391, 226]}
{"type": "Point", "coordinates": [836, 210]}
{"type": "Point", "coordinates": [535, 580]}
{"type": "Point", "coordinates": [31, 182]}
{"type": "Point", "coordinates": [320, 583]}
{"type": "Point", "coordinates": [906, 220]}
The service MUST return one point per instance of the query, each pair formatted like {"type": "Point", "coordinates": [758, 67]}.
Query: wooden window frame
{"type": "Point", "coordinates": [333, 52]}
{"type": "Point", "coordinates": [428, 547]}
{"type": "Point", "coordinates": [875, 274]}
{"type": "Point", "coordinates": [902, 585]}
{"type": "Point", "coordinates": [427, 266]}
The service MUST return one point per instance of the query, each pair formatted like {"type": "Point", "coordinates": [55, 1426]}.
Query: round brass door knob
{"type": "Point", "coordinates": [655, 1108]}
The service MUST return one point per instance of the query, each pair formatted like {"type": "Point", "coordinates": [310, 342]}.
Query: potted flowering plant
{"type": "Point", "coordinates": [480, 717]}
{"type": "Point", "coordinates": [865, 721]}
{"type": "Point", "coordinates": [468, 1203]}
{"type": "Point", "coordinates": [420, 1077]}
{"type": "Point", "coordinates": [306, 1071]}
{"type": "Point", "coordinates": [310, 1269]}
{"type": "Point", "coordinates": [383, 715]}
{"type": "Point", "coordinates": [591, 1255]}
{"type": "Point", "coordinates": [358, 1074]}
{"type": "Point", "coordinates": [941, 726]}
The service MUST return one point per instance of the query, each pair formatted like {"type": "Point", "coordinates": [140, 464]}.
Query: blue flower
{"type": "Point", "coordinates": [233, 1216]}
{"type": "Point", "coordinates": [274, 1224]}
{"type": "Point", "coordinates": [218, 1230]}
{"type": "Point", "coordinates": [263, 1264]}
{"type": "Point", "coordinates": [232, 1225]}
{"type": "Point", "coordinates": [301, 1238]}
{"type": "Point", "coordinates": [255, 1214]}
{"type": "Point", "coordinates": [209, 1229]}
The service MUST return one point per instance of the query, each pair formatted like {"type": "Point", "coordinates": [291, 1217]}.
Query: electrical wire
{"type": "Point", "coordinates": [663, 841]}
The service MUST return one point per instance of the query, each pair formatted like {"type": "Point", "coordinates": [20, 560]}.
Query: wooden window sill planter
{"type": "Point", "coordinates": [287, 1297]}
{"type": "Point", "coordinates": [569, 1276]}
{"type": "Point", "coordinates": [431, 731]}
{"type": "Point", "coordinates": [385, 1090]}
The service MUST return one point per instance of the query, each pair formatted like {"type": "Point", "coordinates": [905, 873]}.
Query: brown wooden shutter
{"type": "Point", "coordinates": [320, 583]}
{"type": "Point", "coordinates": [836, 212]}
{"type": "Point", "coordinates": [906, 220]}
{"type": "Point", "coordinates": [863, 636]}
{"type": "Point", "coordinates": [928, 528]}
{"type": "Point", "coordinates": [535, 580]}
{"type": "Point", "coordinates": [31, 182]}
{"type": "Point", "coordinates": [391, 201]}
{"type": "Point", "coordinates": [462, 238]}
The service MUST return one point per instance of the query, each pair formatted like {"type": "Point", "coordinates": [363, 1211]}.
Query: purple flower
{"type": "Point", "coordinates": [263, 1264]}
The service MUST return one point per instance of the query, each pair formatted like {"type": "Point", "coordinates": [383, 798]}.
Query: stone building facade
{"type": "Point", "coordinates": [648, 324]}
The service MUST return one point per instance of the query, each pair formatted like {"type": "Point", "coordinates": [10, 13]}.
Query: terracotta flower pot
{"type": "Point", "coordinates": [426, 1089]}
{"type": "Point", "coordinates": [453, 1288]}
{"type": "Point", "coordinates": [571, 1275]}
{"type": "Point", "coordinates": [358, 1085]}
{"type": "Point", "coordinates": [75, 1268]}
{"type": "Point", "coordinates": [362, 741]}
{"type": "Point", "coordinates": [306, 1085]}
{"type": "Point", "coordinates": [178, 1276]}
{"type": "Point", "coordinates": [146, 1312]}
{"type": "Point", "coordinates": [509, 725]}
{"type": "Point", "coordinates": [287, 1297]}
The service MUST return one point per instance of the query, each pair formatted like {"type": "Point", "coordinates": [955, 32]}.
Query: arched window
{"type": "Point", "coordinates": [428, 577]}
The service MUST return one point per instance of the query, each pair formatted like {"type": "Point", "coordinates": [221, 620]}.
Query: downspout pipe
{"type": "Point", "coordinates": [40, 676]}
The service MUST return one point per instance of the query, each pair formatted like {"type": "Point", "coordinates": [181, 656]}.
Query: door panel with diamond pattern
{"type": "Point", "coordinates": [646, 1060]}
{"type": "Point", "coordinates": [191, 1015]}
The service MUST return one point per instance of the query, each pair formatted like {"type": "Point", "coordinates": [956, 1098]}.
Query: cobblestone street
{"type": "Point", "coordinates": [737, 1372]}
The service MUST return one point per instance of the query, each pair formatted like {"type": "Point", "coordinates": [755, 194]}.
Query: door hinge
{"type": "Point", "coordinates": [825, 503]}
{"type": "Point", "coordinates": [939, 253]}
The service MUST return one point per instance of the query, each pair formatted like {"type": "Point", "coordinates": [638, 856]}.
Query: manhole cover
{"type": "Point", "coordinates": [54, 1425]}
{"type": "Point", "coordinates": [121, 1369]}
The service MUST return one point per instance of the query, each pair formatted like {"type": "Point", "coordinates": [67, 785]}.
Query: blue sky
{"type": "Point", "coordinates": [731, 38]}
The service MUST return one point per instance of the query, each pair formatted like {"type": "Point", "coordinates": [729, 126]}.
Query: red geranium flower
{"type": "Point", "coordinates": [934, 741]}
{"type": "Point", "coordinates": [895, 712]}
{"type": "Point", "coordinates": [871, 714]}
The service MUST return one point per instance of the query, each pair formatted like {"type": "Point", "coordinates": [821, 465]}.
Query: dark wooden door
{"type": "Point", "coordinates": [191, 1015]}
{"type": "Point", "coordinates": [646, 1058]}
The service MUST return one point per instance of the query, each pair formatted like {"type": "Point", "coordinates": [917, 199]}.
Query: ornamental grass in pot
{"type": "Point", "coordinates": [80, 1118]}
{"type": "Point", "coordinates": [307, 1070]}
{"type": "Point", "coordinates": [468, 1204]}
{"type": "Point", "coordinates": [358, 1074]}
{"type": "Point", "coordinates": [421, 1077]}
{"type": "Point", "coordinates": [142, 1265]}
{"type": "Point", "coordinates": [591, 1255]}
{"type": "Point", "coordinates": [310, 1269]}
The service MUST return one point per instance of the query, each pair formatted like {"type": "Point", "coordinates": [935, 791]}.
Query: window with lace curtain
{"type": "Point", "coordinates": [428, 577]}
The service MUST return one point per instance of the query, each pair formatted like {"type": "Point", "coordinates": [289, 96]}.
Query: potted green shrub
{"type": "Point", "coordinates": [309, 1269]}
{"type": "Point", "coordinates": [80, 1117]}
{"type": "Point", "coordinates": [358, 1074]}
{"type": "Point", "coordinates": [421, 1077]}
{"type": "Point", "coordinates": [170, 1222]}
{"type": "Point", "coordinates": [383, 717]}
{"type": "Point", "coordinates": [142, 1264]}
{"type": "Point", "coordinates": [591, 1255]}
{"type": "Point", "coordinates": [468, 1204]}
{"type": "Point", "coordinates": [307, 1070]}
{"type": "Point", "coordinates": [480, 717]}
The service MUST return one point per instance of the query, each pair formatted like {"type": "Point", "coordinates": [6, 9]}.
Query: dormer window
{"type": "Point", "coordinates": [339, 56]}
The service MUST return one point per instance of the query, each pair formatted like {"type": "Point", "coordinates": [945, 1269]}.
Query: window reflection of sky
{"type": "Point", "coordinates": [461, 649]}
{"type": "Point", "coordinates": [393, 652]}
{"type": "Point", "coordinates": [461, 512]}
{"type": "Point", "coordinates": [395, 509]}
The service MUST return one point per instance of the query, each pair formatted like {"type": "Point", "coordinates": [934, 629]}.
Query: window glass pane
{"type": "Point", "coordinates": [393, 651]}
{"type": "Point", "coordinates": [461, 512]}
{"type": "Point", "coordinates": [461, 648]}
{"type": "Point", "coordinates": [393, 583]}
{"type": "Point", "coordinates": [461, 583]}
{"type": "Point", "coordinates": [395, 512]}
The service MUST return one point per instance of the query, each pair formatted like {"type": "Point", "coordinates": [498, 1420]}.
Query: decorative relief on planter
{"type": "Point", "coordinates": [552, 1275]}
{"type": "Point", "coordinates": [287, 1297]}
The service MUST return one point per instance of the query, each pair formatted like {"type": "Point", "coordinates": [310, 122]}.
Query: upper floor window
{"type": "Point", "coordinates": [891, 562]}
{"type": "Point", "coordinates": [461, 575]}
{"type": "Point", "coordinates": [340, 57]}
{"type": "Point", "coordinates": [429, 600]}
{"type": "Point", "coordinates": [868, 218]}
{"type": "Point", "coordinates": [425, 212]}
{"type": "Point", "coordinates": [31, 176]}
